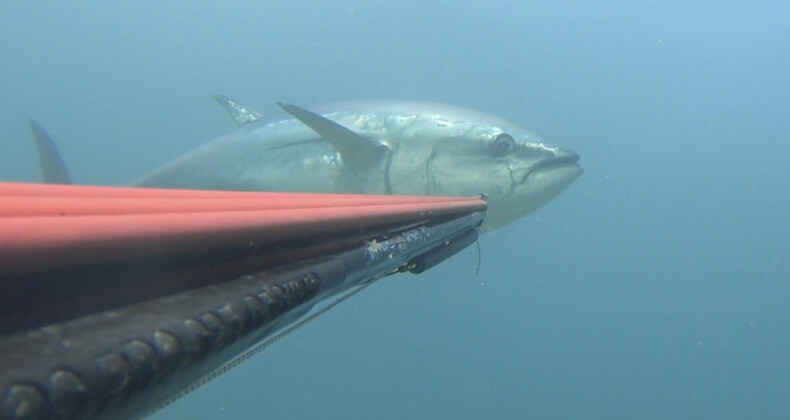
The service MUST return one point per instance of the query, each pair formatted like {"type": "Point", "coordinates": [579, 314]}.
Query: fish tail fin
{"type": "Point", "coordinates": [53, 170]}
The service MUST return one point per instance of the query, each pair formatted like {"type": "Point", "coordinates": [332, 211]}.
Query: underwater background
{"type": "Point", "coordinates": [656, 287]}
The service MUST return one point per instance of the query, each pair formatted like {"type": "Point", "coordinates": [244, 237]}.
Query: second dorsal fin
{"type": "Point", "coordinates": [240, 113]}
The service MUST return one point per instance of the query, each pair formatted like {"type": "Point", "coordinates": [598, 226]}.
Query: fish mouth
{"type": "Point", "coordinates": [562, 158]}
{"type": "Point", "coordinates": [543, 182]}
{"type": "Point", "coordinates": [562, 167]}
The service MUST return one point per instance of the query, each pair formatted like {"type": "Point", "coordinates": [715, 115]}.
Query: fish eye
{"type": "Point", "coordinates": [503, 143]}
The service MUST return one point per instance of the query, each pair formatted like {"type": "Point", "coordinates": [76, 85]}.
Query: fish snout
{"type": "Point", "coordinates": [566, 155]}
{"type": "Point", "coordinates": [553, 158]}
{"type": "Point", "coordinates": [560, 157]}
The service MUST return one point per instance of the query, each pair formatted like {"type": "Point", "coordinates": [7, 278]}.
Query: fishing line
{"type": "Point", "coordinates": [479, 255]}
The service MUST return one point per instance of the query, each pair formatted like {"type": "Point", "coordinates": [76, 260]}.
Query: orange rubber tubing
{"type": "Point", "coordinates": [45, 227]}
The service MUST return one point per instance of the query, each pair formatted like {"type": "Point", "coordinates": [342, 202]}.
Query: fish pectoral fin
{"type": "Point", "coordinates": [53, 170]}
{"type": "Point", "coordinates": [240, 113]}
{"type": "Point", "coordinates": [356, 151]}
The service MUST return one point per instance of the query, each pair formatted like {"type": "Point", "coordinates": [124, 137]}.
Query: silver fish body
{"type": "Point", "coordinates": [383, 147]}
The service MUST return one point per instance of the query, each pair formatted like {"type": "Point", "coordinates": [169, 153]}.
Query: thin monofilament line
{"type": "Point", "coordinates": [479, 258]}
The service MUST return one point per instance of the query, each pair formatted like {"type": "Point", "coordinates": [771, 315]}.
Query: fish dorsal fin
{"type": "Point", "coordinates": [53, 170]}
{"type": "Point", "coordinates": [240, 113]}
{"type": "Point", "coordinates": [355, 150]}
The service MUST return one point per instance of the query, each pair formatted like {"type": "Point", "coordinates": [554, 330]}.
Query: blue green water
{"type": "Point", "coordinates": [656, 287]}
